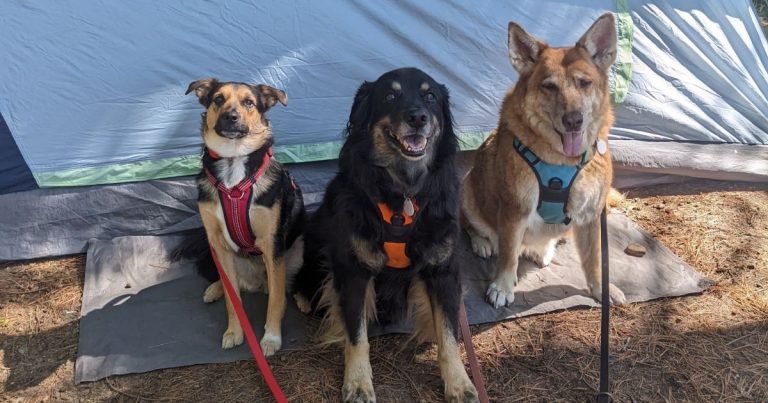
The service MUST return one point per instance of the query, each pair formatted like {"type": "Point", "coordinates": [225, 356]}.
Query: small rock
{"type": "Point", "coordinates": [635, 249]}
{"type": "Point", "coordinates": [127, 286]}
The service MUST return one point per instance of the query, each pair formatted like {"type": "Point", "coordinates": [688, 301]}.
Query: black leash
{"type": "Point", "coordinates": [604, 396]}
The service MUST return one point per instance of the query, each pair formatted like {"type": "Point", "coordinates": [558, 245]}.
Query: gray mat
{"type": "Point", "coordinates": [141, 313]}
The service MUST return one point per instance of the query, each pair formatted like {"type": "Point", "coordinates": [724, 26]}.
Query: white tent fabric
{"type": "Point", "coordinates": [93, 93]}
{"type": "Point", "coordinates": [698, 74]}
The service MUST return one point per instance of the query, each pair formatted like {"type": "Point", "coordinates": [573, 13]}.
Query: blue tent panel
{"type": "Point", "coordinates": [15, 175]}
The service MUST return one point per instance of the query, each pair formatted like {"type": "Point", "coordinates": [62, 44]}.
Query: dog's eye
{"type": "Point", "coordinates": [584, 83]}
{"type": "Point", "coordinates": [248, 103]}
{"type": "Point", "coordinates": [219, 100]}
{"type": "Point", "coordinates": [430, 97]}
{"type": "Point", "coordinates": [390, 97]}
{"type": "Point", "coordinates": [549, 86]}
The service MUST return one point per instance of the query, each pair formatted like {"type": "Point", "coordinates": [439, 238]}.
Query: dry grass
{"type": "Point", "coordinates": [711, 347]}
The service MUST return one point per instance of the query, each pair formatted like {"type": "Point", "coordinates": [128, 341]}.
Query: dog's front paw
{"type": "Point", "coordinates": [482, 246]}
{"type": "Point", "coordinates": [500, 294]}
{"type": "Point", "coordinates": [616, 295]}
{"type": "Point", "coordinates": [358, 390]}
{"type": "Point", "coordinates": [462, 391]}
{"type": "Point", "coordinates": [537, 259]}
{"type": "Point", "coordinates": [213, 292]}
{"type": "Point", "coordinates": [270, 343]}
{"type": "Point", "coordinates": [232, 338]}
{"type": "Point", "coordinates": [541, 255]}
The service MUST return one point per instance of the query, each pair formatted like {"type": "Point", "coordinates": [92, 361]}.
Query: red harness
{"type": "Point", "coordinates": [236, 203]}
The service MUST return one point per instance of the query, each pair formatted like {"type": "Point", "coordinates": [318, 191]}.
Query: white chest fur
{"type": "Point", "coordinates": [231, 171]}
{"type": "Point", "coordinates": [225, 230]}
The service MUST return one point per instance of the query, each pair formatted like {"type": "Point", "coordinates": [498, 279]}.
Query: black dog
{"type": "Point", "coordinates": [384, 236]}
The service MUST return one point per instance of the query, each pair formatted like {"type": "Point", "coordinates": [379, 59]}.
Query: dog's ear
{"type": "Point", "coordinates": [448, 140]}
{"type": "Point", "coordinates": [446, 111]}
{"type": "Point", "coordinates": [600, 41]}
{"type": "Point", "coordinates": [270, 96]}
{"type": "Point", "coordinates": [202, 88]}
{"type": "Point", "coordinates": [359, 116]}
{"type": "Point", "coordinates": [524, 48]}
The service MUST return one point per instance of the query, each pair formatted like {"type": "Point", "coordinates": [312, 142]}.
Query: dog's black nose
{"type": "Point", "coordinates": [230, 116]}
{"type": "Point", "coordinates": [572, 121]}
{"type": "Point", "coordinates": [417, 118]}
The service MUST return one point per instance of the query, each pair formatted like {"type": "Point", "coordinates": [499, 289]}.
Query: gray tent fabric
{"type": "Point", "coordinates": [735, 162]}
{"type": "Point", "coordinates": [60, 221]}
{"type": "Point", "coordinates": [52, 222]}
{"type": "Point", "coordinates": [140, 313]}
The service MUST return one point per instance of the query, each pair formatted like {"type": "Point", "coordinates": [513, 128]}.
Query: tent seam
{"type": "Point", "coordinates": [186, 165]}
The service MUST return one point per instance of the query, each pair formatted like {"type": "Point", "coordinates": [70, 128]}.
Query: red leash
{"type": "Point", "coordinates": [474, 367]}
{"type": "Point", "coordinates": [258, 355]}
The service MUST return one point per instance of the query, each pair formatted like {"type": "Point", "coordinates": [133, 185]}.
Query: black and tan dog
{"type": "Point", "coordinates": [382, 241]}
{"type": "Point", "coordinates": [547, 169]}
{"type": "Point", "coordinates": [251, 208]}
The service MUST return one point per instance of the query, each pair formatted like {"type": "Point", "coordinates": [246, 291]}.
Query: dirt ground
{"type": "Point", "coordinates": [709, 347]}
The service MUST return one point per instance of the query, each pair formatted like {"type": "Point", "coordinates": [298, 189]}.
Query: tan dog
{"type": "Point", "coordinates": [251, 208]}
{"type": "Point", "coordinates": [560, 113]}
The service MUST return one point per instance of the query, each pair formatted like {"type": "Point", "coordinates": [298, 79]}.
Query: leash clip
{"type": "Point", "coordinates": [235, 194]}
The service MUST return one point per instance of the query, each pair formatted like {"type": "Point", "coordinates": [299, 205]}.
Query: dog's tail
{"type": "Point", "coordinates": [195, 247]}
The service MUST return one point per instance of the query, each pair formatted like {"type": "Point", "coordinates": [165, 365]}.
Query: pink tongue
{"type": "Point", "coordinates": [572, 144]}
{"type": "Point", "coordinates": [417, 142]}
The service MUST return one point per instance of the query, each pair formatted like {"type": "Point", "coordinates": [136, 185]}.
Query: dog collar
{"type": "Point", "coordinates": [397, 232]}
{"type": "Point", "coordinates": [554, 184]}
{"type": "Point", "coordinates": [235, 204]}
{"type": "Point", "coordinates": [213, 154]}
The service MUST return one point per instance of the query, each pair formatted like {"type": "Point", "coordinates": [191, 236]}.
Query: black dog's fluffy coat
{"type": "Point", "coordinates": [349, 208]}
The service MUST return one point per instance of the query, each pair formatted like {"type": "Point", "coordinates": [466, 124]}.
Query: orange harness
{"type": "Point", "coordinates": [397, 232]}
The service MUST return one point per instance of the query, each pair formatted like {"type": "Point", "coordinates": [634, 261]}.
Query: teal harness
{"type": "Point", "coordinates": [554, 184]}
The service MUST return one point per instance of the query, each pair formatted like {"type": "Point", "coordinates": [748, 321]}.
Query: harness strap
{"type": "Point", "coordinates": [235, 204]}
{"type": "Point", "coordinates": [250, 337]}
{"type": "Point", "coordinates": [397, 232]}
{"type": "Point", "coordinates": [554, 184]}
{"type": "Point", "coordinates": [474, 367]}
